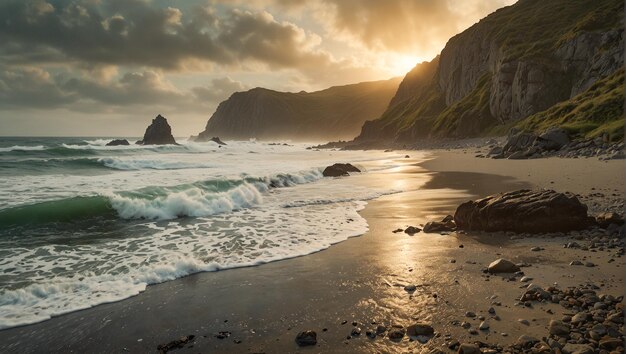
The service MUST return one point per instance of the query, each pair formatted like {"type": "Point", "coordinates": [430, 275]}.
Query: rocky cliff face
{"type": "Point", "coordinates": [518, 61]}
{"type": "Point", "coordinates": [331, 114]}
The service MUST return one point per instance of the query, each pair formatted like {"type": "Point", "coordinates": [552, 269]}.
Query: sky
{"type": "Point", "coordinates": [107, 67]}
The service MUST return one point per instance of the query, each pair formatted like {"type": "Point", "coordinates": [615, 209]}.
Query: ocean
{"type": "Point", "coordinates": [83, 224]}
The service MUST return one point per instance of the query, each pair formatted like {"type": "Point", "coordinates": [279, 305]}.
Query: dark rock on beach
{"type": "Point", "coordinates": [446, 224]}
{"type": "Point", "coordinates": [606, 219]}
{"type": "Point", "coordinates": [158, 133]}
{"type": "Point", "coordinates": [118, 142]}
{"type": "Point", "coordinates": [175, 344]}
{"type": "Point", "coordinates": [524, 211]}
{"type": "Point", "coordinates": [412, 230]}
{"type": "Point", "coordinates": [339, 169]}
{"type": "Point", "coordinates": [306, 338]}
{"type": "Point", "coordinates": [555, 142]}
{"type": "Point", "coordinates": [420, 329]}
{"type": "Point", "coordinates": [502, 266]}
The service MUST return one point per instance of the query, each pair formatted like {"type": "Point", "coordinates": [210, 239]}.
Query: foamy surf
{"type": "Point", "coordinates": [93, 225]}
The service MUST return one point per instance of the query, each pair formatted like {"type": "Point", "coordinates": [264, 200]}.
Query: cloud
{"type": "Point", "coordinates": [36, 88]}
{"type": "Point", "coordinates": [404, 26]}
{"type": "Point", "coordinates": [218, 90]}
{"type": "Point", "coordinates": [128, 58]}
{"type": "Point", "coordinates": [134, 32]}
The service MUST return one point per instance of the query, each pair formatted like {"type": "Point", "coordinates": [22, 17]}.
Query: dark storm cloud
{"type": "Point", "coordinates": [36, 88]}
{"type": "Point", "coordinates": [133, 32]}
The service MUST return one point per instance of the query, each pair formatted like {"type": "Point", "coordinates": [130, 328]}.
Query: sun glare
{"type": "Point", "coordinates": [402, 64]}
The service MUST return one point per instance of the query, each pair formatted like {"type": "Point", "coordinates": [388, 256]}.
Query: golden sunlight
{"type": "Point", "coordinates": [402, 64]}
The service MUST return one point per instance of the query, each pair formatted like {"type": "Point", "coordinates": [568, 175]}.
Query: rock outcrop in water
{"type": "Point", "coordinates": [339, 169]}
{"type": "Point", "coordinates": [118, 142]}
{"type": "Point", "coordinates": [158, 133]}
{"type": "Point", "coordinates": [335, 113]}
{"type": "Point", "coordinates": [524, 211]}
{"type": "Point", "coordinates": [216, 139]}
{"type": "Point", "coordinates": [522, 66]}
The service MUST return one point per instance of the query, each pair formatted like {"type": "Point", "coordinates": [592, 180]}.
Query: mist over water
{"type": "Point", "coordinates": [83, 224]}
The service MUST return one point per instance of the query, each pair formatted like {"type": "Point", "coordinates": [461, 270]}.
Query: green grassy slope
{"type": "Point", "coordinates": [594, 112]}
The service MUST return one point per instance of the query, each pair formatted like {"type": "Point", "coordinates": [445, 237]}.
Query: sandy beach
{"type": "Point", "coordinates": [359, 283]}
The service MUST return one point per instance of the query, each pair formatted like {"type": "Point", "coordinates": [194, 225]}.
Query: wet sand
{"type": "Point", "coordinates": [359, 280]}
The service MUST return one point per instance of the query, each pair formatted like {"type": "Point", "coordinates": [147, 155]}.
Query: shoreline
{"type": "Point", "coordinates": [360, 279]}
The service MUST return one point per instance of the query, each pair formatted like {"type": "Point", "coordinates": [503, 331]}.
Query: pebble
{"type": "Point", "coordinates": [306, 338]}
{"type": "Point", "coordinates": [525, 279]}
{"type": "Point", "coordinates": [410, 288]}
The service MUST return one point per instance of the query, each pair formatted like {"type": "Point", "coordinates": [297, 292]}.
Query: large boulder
{"type": "Point", "coordinates": [524, 211]}
{"type": "Point", "coordinates": [158, 133]}
{"type": "Point", "coordinates": [553, 139]}
{"type": "Point", "coordinates": [339, 169]}
{"type": "Point", "coordinates": [118, 142]}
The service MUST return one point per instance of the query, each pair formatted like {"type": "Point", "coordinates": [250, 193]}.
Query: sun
{"type": "Point", "coordinates": [402, 64]}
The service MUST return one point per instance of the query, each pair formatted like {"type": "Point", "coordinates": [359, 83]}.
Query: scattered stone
{"type": "Point", "coordinates": [412, 230]}
{"type": "Point", "coordinates": [440, 226]}
{"type": "Point", "coordinates": [576, 263]}
{"type": "Point", "coordinates": [397, 231]}
{"type": "Point", "coordinates": [467, 348]}
{"type": "Point", "coordinates": [526, 340]}
{"type": "Point", "coordinates": [306, 338]}
{"type": "Point", "coordinates": [396, 334]}
{"type": "Point", "coordinates": [420, 329]}
{"type": "Point", "coordinates": [502, 266]}
{"type": "Point", "coordinates": [558, 328]}
{"type": "Point", "coordinates": [571, 348]}
{"type": "Point", "coordinates": [410, 288]}
{"type": "Point", "coordinates": [606, 219]}
{"type": "Point", "coordinates": [339, 169]}
{"type": "Point", "coordinates": [608, 343]}
{"type": "Point", "coordinates": [356, 331]}
{"type": "Point", "coordinates": [222, 334]}
{"type": "Point", "coordinates": [175, 344]}
{"type": "Point", "coordinates": [524, 322]}
{"type": "Point", "coordinates": [483, 326]}
{"type": "Point", "coordinates": [470, 314]}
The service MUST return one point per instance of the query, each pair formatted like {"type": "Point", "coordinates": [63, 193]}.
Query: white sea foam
{"type": "Point", "coordinates": [130, 164]}
{"type": "Point", "coordinates": [22, 148]}
{"type": "Point", "coordinates": [243, 222]}
{"type": "Point", "coordinates": [190, 202]}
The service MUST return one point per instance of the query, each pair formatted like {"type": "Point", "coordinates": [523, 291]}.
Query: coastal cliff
{"type": "Point", "coordinates": [510, 69]}
{"type": "Point", "coordinates": [335, 113]}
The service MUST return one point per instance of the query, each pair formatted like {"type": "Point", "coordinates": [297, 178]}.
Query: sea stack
{"type": "Point", "coordinates": [158, 133]}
